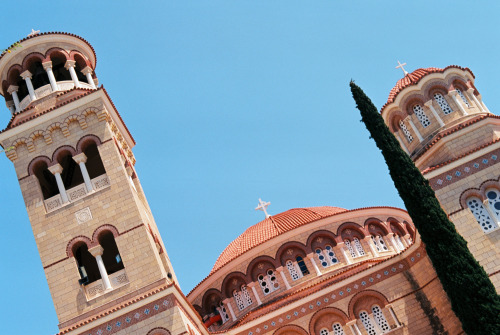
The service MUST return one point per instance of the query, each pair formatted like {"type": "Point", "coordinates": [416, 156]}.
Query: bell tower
{"type": "Point", "coordinates": [103, 257]}
{"type": "Point", "coordinates": [441, 121]}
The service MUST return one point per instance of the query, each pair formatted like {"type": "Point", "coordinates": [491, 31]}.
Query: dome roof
{"type": "Point", "coordinates": [413, 79]}
{"type": "Point", "coordinates": [270, 228]}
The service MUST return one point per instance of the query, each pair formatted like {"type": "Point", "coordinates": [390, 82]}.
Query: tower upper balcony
{"type": "Point", "coordinates": [35, 70]}
{"type": "Point", "coordinates": [429, 104]}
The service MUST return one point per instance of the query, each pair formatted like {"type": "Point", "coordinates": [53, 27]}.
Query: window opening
{"type": "Point", "coordinates": [39, 76]}
{"type": "Point", "coordinates": [405, 130]}
{"type": "Point", "coordinates": [111, 256]}
{"type": "Point", "coordinates": [94, 163]}
{"type": "Point", "coordinates": [302, 266]}
{"type": "Point", "coordinates": [380, 319]}
{"type": "Point", "coordinates": [481, 215]}
{"type": "Point", "coordinates": [87, 265]}
{"type": "Point", "coordinates": [71, 174]}
{"type": "Point", "coordinates": [421, 116]}
{"type": "Point", "coordinates": [443, 104]}
{"type": "Point", "coordinates": [464, 99]}
{"type": "Point", "coordinates": [293, 271]}
{"type": "Point", "coordinates": [246, 295]}
{"type": "Point", "coordinates": [268, 283]}
{"type": "Point", "coordinates": [60, 72]}
{"type": "Point", "coordinates": [358, 246]}
{"type": "Point", "coordinates": [367, 323]}
{"type": "Point", "coordinates": [239, 300]}
{"type": "Point", "coordinates": [337, 329]}
{"type": "Point", "coordinates": [350, 248]}
{"type": "Point", "coordinates": [223, 312]}
{"type": "Point", "coordinates": [46, 180]}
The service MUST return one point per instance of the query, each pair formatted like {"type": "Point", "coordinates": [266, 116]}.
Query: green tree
{"type": "Point", "coordinates": [473, 297]}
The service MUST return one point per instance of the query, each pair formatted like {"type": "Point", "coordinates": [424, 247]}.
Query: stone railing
{"type": "Point", "coordinates": [96, 289]}
{"type": "Point", "coordinates": [47, 89]}
{"type": "Point", "coordinates": [77, 193]}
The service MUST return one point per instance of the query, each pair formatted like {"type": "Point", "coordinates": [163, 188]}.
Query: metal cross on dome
{"type": "Point", "coordinates": [33, 32]}
{"type": "Point", "coordinates": [402, 68]}
{"type": "Point", "coordinates": [262, 207]}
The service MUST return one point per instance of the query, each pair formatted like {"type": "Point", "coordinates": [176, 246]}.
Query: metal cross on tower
{"type": "Point", "coordinates": [402, 68]}
{"type": "Point", "coordinates": [262, 207]}
{"type": "Point", "coordinates": [33, 32]}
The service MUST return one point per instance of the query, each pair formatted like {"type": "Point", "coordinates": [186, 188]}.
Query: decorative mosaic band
{"type": "Point", "coordinates": [338, 294]}
{"type": "Point", "coordinates": [465, 170]}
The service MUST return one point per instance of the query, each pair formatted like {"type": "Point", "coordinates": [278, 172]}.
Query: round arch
{"type": "Point", "coordinates": [325, 318]}
{"type": "Point", "coordinates": [290, 330]}
{"type": "Point", "coordinates": [364, 300]}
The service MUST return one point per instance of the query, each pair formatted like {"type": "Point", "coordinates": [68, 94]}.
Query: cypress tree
{"type": "Point", "coordinates": [472, 295]}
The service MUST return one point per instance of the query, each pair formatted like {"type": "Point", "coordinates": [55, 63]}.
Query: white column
{"type": "Point", "coordinates": [228, 304]}
{"type": "Point", "coordinates": [453, 94]}
{"type": "Point", "coordinates": [412, 125]}
{"type": "Point", "coordinates": [472, 96]}
{"type": "Point", "coordinates": [48, 68]}
{"type": "Point", "coordinates": [407, 238]}
{"type": "Point", "coordinates": [389, 307]}
{"type": "Point", "coordinates": [26, 75]}
{"type": "Point", "coordinates": [81, 159]}
{"type": "Point", "coordinates": [344, 253]}
{"type": "Point", "coordinates": [393, 242]}
{"type": "Point", "coordinates": [11, 106]}
{"type": "Point", "coordinates": [56, 170]}
{"type": "Point", "coordinates": [314, 265]}
{"type": "Point", "coordinates": [280, 271]}
{"type": "Point", "coordinates": [252, 286]}
{"type": "Point", "coordinates": [428, 104]}
{"type": "Point", "coordinates": [405, 243]}
{"type": "Point", "coordinates": [401, 143]}
{"type": "Point", "coordinates": [370, 242]}
{"type": "Point", "coordinates": [354, 328]}
{"type": "Point", "coordinates": [13, 91]}
{"type": "Point", "coordinates": [87, 71]}
{"type": "Point", "coordinates": [70, 66]}
{"type": "Point", "coordinates": [484, 106]}
{"type": "Point", "coordinates": [97, 253]}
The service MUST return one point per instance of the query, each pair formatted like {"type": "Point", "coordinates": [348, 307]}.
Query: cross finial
{"type": "Point", "coordinates": [402, 68]}
{"type": "Point", "coordinates": [262, 207]}
{"type": "Point", "coordinates": [33, 32]}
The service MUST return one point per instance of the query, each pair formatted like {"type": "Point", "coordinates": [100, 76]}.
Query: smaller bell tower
{"type": "Point", "coordinates": [103, 257]}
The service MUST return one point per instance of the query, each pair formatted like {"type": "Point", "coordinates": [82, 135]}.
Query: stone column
{"type": "Point", "coordinates": [87, 71]}
{"type": "Point", "coordinates": [283, 276]}
{"type": "Point", "coordinates": [482, 104]}
{"type": "Point", "coordinates": [252, 286]}
{"type": "Point", "coordinates": [13, 91]}
{"type": "Point", "coordinates": [344, 253]}
{"type": "Point", "coordinates": [389, 307]}
{"type": "Point", "coordinates": [315, 266]}
{"type": "Point", "coordinates": [56, 170]}
{"type": "Point", "coordinates": [428, 104]}
{"type": "Point", "coordinates": [412, 125]}
{"type": "Point", "coordinates": [370, 242]}
{"type": "Point", "coordinates": [97, 253]}
{"type": "Point", "coordinates": [48, 68]}
{"type": "Point", "coordinates": [354, 327]}
{"type": "Point", "coordinates": [228, 304]}
{"type": "Point", "coordinates": [26, 75]}
{"type": "Point", "coordinates": [393, 242]}
{"type": "Point", "coordinates": [70, 66]}
{"type": "Point", "coordinates": [453, 94]}
{"type": "Point", "coordinates": [407, 237]}
{"type": "Point", "coordinates": [470, 92]}
{"type": "Point", "coordinates": [81, 159]}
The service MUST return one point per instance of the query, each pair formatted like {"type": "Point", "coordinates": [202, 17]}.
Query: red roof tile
{"type": "Point", "coordinates": [271, 228]}
{"type": "Point", "coordinates": [413, 78]}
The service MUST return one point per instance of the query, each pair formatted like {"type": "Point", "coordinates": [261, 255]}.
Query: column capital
{"type": "Point", "coordinates": [56, 168]}
{"type": "Point", "coordinates": [26, 74]}
{"type": "Point", "coordinates": [97, 250]}
{"type": "Point", "coordinates": [80, 158]}
{"type": "Point", "coordinates": [69, 63]}
{"type": "Point", "coordinates": [471, 90]}
{"type": "Point", "coordinates": [47, 65]}
{"type": "Point", "coordinates": [279, 269]}
{"type": "Point", "coordinates": [251, 284]}
{"type": "Point", "coordinates": [86, 70]}
{"type": "Point", "coordinates": [428, 103]}
{"type": "Point", "coordinates": [453, 93]}
{"type": "Point", "coordinates": [350, 323]}
{"type": "Point", "coordinates": [12, 88]}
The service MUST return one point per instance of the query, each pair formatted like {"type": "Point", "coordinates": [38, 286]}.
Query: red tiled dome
{"type": "Point", "coordinates": [413, 79]}
{"type": "Point", "coordinates": [271, 228]}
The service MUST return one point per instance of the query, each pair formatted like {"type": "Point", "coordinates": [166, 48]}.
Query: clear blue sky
{"type": "Point", "coordinates": [230, 101]}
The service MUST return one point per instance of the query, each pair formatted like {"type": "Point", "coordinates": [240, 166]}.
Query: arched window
{"type": "Point", "coordinates": [39, 76]}
{"type": "Point", "coordinates": [246, 296]}
{"type": "Point", "coordinates": [464, 99]}
{"type": "Point", "coordinates": [242, 298]}
{"type": "Point", "coordinates": [46, 180]}
{"type": "Point", "coordinates": [337, 329]}
{"type": "Point", "coordinates": [268, 283]}
{"type": "Point", "coordinates": [481, 215]}
{"type": "Point", "coordinates": [94, 163]}
{"type": "Point", "coordinates": [111, 257]}
{"type": "Point", "coordinates": [58, 62]}
{"type": "Point", "coordinates": [380, 319]}
{"type": "Point", "coordinates": [443, 104]}
{"type": "Point", "coordinates": [293, 270]}
{"type": "Point", "coordinates": [367, 323]}
{"type": "Point", "coordinates": [421, 116]}
{"type": "Point", "coordinates": [71, 174]}
{"type": "Point", "coordinates": [221, 309]}
{"type": "Point", "coordinates": [87, 264]}
{"type": "Point", "coordinates": [358, 246]}
{"type": "Point", "coordinates": [350, 248]}
{"type": "Point", "coordinates": [239, 300]}
{"type": "Point", "coordinates": [379, 243]}
{"type": "Point", "coordinates": [494, 201]}
{"type": "Point", "coordinates": [302, 266]}
{"type": "Point", "coordinates": [405, 130]}
{"type": "Point", "coordinates": [327, 256]}
{"type": "Point", "coordinates": [79, 66]}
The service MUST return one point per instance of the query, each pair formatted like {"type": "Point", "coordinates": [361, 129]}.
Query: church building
{"type": "Point", "coordinates": [316, 270]}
